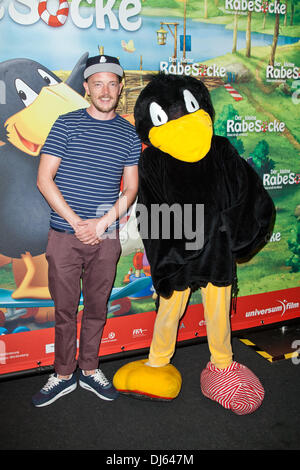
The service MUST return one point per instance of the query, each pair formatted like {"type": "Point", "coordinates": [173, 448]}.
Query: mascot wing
{"type": "Point", "coordinates": [250, 217]}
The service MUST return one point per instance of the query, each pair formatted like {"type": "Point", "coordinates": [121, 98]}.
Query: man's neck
{"type": "Point", "coordinates": [101, 116]}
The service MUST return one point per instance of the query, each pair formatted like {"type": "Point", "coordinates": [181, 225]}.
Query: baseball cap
{"type": "Point", "coordinates": [102, 63]}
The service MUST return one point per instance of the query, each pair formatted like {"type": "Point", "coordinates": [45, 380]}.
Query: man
{"type": "Point", "coordinates": [85, 156]}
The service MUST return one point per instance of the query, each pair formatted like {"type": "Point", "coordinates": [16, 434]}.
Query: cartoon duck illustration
{"type": "Point", "coordinates": [34, 98]}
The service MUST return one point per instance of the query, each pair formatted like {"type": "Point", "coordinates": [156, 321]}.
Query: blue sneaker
{"type": "Point", "coordinates": [54, 389]}
{"type": "Point", "coordinates": [98, 384]}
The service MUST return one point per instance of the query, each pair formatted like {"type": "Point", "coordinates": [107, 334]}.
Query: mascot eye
{"type": "Point", "coordinates": [26, 93]}
{"type": "Point", "coordinates": [191, 103]}
{"type": "Point", "coordinates": [48, 79]}
{"type": "Point", "coordinates": [157, 114]}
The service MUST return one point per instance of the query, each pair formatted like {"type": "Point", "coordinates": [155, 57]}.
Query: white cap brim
{"type": "Point", "coordinates": [103, 67]}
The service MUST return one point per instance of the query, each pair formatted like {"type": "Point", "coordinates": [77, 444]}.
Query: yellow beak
{"type": "Point", "coordinates": [187, 138]}
{"type": "Point", "coordinates": [28, 129]}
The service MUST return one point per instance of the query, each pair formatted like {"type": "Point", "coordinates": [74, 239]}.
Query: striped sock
{"type": "Point", "coordinates": [235, 388]}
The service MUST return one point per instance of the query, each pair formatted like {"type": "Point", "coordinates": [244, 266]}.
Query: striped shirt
{"type": "Point", "coordinates": [93, 155]}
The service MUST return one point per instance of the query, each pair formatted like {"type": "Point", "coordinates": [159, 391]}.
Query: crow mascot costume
{"type": "Point", "coordinates": [218, 198]}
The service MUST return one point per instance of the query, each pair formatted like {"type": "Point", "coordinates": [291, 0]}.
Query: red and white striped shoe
{"type": "Point", "coordinates": [235, 388]}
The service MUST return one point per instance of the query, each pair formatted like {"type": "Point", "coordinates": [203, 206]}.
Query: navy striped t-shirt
{"type": "Point", "coordinates": [93, 155]}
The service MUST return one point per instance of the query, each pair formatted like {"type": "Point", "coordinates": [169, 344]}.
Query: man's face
{"type": "Point", "coordinates": [104, 89]}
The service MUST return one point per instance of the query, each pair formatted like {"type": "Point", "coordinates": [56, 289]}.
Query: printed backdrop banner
{"type": "Point", "coordinates": [247, 54]}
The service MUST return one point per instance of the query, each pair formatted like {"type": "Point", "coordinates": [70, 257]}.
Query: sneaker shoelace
{"type": "Point", "coordinates": [100, 378]}
{"type": "Point", "coordinates": [52, 382]}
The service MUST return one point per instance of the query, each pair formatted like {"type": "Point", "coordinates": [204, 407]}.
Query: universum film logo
{"type": "Point", "coordinates": [283, 307]}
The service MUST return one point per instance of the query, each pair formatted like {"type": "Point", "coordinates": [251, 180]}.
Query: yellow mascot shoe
{"type": "Point", "coordinates": [143, 381]}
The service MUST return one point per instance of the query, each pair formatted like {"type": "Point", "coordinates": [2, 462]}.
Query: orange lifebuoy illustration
{"type": "Point", "coordinates": [54, 20]}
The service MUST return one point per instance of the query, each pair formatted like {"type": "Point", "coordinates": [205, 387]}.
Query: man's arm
{"type": "Point", "coordinates": [45, 182]}
{"type": "Point", "coordinates": [90, 228]}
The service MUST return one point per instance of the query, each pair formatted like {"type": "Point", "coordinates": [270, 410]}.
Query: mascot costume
{"type": "Point", "coordinates": [186, 165]}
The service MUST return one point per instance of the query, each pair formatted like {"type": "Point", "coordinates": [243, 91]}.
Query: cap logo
{"type": "Point", "coordinates": [102, 59]}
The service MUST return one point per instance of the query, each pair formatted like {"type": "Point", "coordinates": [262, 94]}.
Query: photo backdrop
{"type": "Point", "coordinates": [246, 52]}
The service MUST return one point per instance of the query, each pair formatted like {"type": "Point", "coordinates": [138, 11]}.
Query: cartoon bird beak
{"type": "Point", "coordinates": [187, 138]}
{"type": "Point", "coordinates": [28, 129]}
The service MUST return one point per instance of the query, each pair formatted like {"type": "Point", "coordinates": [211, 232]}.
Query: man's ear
{"type": "Point", "coordinates": [86, 87]}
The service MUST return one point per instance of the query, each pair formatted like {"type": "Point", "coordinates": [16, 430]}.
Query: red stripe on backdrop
{"type": "Point", "coordinates": [34, 349]}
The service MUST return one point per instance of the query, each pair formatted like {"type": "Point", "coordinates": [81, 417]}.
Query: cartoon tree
{"type": "Point", "coordinates": [205, 9]}
{"type": "Point", "coordinates": [248, 35]}
{"type": "Point", "coordinates": [285, 16]}
{"type": "Point", "coordinates": [293, 4]}
{"type": "Point", "coordinates": [259, 158]}
{"type": "Point", "coordinates": [235, 31]}
{"type": "Point", "coordinates": [264, 10]}
{"type": "Point", "coordinates": [228, 113]}
{"type": "Point", "coordinates": [275, 37]}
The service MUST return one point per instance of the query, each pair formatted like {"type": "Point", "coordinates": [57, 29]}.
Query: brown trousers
{"type": "Point", "coordinates": [70, 262]}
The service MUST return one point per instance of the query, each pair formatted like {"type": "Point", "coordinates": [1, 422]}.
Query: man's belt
{"type": "Point", "coordinates": [62, 230]}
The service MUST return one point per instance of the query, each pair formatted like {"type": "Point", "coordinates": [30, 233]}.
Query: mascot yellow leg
{"type": "Point", "coordinates": [216, 303]}
{"type": "Point", "coordinates": [166, 326]}
{"type": "Point", "coordinates": [155, 377]}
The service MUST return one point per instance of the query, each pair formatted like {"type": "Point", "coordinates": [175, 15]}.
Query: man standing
{"type": "Point", "coordinates": [85, 156]}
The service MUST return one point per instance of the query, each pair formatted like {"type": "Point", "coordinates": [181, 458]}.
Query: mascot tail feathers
{"type": "Point", "coordinates": [235, 388]}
